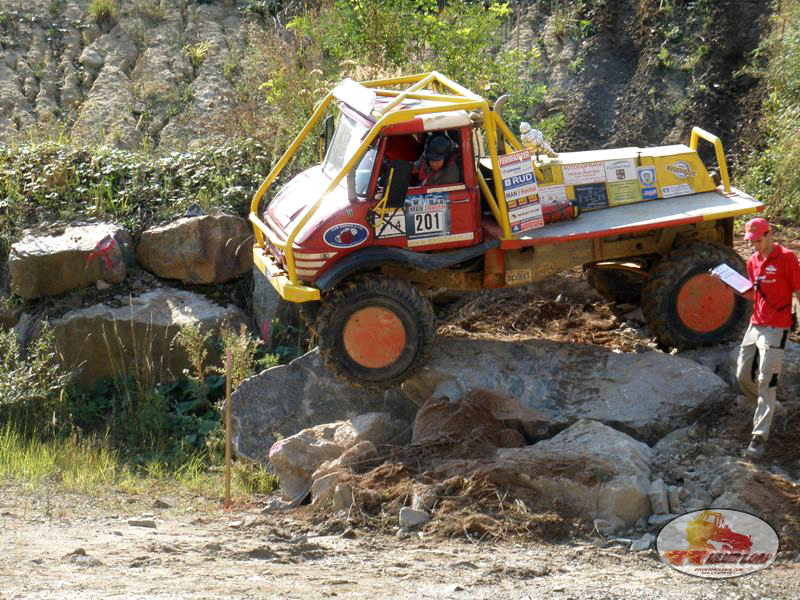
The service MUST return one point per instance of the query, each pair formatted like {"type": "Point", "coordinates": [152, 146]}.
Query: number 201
{"type": "Point", "coordinates": [427, 222]}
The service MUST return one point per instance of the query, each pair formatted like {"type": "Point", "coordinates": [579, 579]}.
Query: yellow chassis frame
{"type": "Point", "coordinates": [450, 96]}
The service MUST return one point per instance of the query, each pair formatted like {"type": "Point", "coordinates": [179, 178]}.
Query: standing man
{"type": "Point", "coordinates": [775, 274]}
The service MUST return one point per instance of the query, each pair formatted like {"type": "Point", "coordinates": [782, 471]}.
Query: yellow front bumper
{"type": "Point", "coordinates": [291, 292]}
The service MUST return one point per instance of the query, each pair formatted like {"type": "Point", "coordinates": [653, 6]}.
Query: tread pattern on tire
{"type": "Point", "coordinates": [380, 286]}
{"type": "Point", "coordinates": [658, 290]}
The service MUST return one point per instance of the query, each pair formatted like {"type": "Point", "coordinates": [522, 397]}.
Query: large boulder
{"type": "Point", "coordinates": [722, 361]}
{"type": "Point", "coordinates": [595, 471]}
{"type": "Point", "coordinates": [283, 400]}
{"type": "Point", "coordinates": [43, 264]}
{"type": "Point", "coordinates": [646, 394]}
{"type": "Point", "coordinates": [205, 249]}
{"type": "Point", "coordinates": [137, 336]}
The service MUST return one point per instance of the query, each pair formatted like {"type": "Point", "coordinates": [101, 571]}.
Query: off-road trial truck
{"type": "Point", "coordinates": [358, 239]}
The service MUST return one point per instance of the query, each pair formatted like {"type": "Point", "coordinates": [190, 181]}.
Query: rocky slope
{"type": "Point", "coordinates": [167, 72]}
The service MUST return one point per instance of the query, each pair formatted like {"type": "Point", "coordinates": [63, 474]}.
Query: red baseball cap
{"type": "Point", "coordinates": [756, 228]}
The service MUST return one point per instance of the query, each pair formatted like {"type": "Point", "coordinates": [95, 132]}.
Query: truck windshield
{"type": "Point", "coordinates": [345, 142]}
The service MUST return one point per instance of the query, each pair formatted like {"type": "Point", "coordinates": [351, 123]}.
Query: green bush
{"type": "Point", "coordinates": [32, 384]}
{"type": "Point", "coordinates": [772, 174]}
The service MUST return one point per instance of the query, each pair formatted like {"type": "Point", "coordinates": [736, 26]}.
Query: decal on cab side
{"type": "Point", "coordinates": [346, 235]}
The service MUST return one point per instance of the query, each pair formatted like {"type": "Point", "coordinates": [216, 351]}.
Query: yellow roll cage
{"type": "Point", "coordinates": [448, 96]}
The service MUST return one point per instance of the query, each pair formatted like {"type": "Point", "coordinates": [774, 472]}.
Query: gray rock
{"type": "Point", "coordinates": [285, 399]}
{"type": "Point", "coordinates": [322, 489]}
{"type": "Point", "coordinates": [297, 457]}
{"type": "Point", "coordinates": [378, 428]}
{"type": "Point", "coordinates": [647, 394]}
{"type": "Point", "coordinates": [342, 497]}
{"type": "Point", "coordinates": [106, 117]}
{"type": "Point", "coordinates": [659, 520]}
{"type": "Point", "coordinates": [666, 445]}
{"type": "Point", "coordinates": [643, 543]}
{"type": "Point", "coordinates": [357, 455]}
{"type": "Point", "coordinates": [91, 59]}
{"type": "Point", "coordinates": [148, 523]}
{"type": "Point", "coordinates": [198, 250]}
{"type": "Point", "coordinates": [424, 498]}
{"type": "Point", "coordinates": [411, 517]}
{"type": "Point", "coordinates": [275, 505]}
{"type": "Point", "coordinates": [657, 494]}
{"type": "Point", "coordinates": [673, 495]}
{"type": "Point", "coordinates": [601, 473]}
{"type": "Point", "coordinates": [137, 338]}
{"type": "Point", "coordinates": [266, 305]}
{"type": "Point", "coordinates": [77, 256]}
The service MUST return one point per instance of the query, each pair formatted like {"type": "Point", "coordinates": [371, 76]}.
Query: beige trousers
{"type": "Point", "coordinates": [757, 370]}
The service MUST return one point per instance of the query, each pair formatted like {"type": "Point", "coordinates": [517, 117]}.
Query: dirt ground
{"type": "Point", "coordinates": [70, 546]}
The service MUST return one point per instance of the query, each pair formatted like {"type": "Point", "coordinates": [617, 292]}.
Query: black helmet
{"type": "Point", "coordinates": [438, 147]}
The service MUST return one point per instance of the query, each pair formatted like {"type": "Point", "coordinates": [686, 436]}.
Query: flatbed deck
{"type": "Point", "coordinates": [631, 218]}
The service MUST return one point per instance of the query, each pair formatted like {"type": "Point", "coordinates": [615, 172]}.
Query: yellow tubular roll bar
{"type": "Point", "coordinates": [697, 132]}
{"type": "Point", "coordinates": [463, 99]}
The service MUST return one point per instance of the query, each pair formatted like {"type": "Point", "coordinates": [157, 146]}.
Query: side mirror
{"type": "Point", "coordinates": [397, 183]}
{"type": "Point", "coordinates": [328, 126]}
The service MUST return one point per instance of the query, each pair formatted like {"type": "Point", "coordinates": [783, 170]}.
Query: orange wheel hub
{"type": "Point", "coordinates": [705, 303]}
{"type": "Point", "coordinates": [374, 337]}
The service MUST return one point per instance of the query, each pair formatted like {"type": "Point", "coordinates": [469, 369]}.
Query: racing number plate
{"type": "Point", "coordinates": [427, 215]}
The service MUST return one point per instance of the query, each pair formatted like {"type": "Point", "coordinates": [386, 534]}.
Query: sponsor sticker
{"type": "Point", "coordinates": [516, 171]}
{"type": "Point", "coordinates": [717, 544]}
{"type": "Point", "coordinates": [649, 193]}
{"type": "Point", "coordinates": [517, 276]}
{"type": "Point", "coordinates": [682, 189]}
{"type": "Point", "coordinates": [525, 217]}
{"type": "Point", "coordinates": [427, 215]}
{"type": "Point", "coordinates": [445, 239]}
{"type": "Point", "coordinates": [552, 194]}
{"type": "Point", "coordinates": [624, 192]}
{"type": "Point", "coordinates": [346, 235]}
{"type": "Point", "coordinates": [681, 169]}
{"type": "Point", "coordinates": [591, 195]}
{"type": "Point", "coordinates": [647, 176]}
{"type": "Point", "coordinates": [392, 225]}
{"type": "Point", "coordinates": [620, 170]}
{"type": "Point", "coordinates": [593, 172]}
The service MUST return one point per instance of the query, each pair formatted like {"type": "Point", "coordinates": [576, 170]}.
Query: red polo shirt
{"type": "Point", "coordinates": [777, 276]}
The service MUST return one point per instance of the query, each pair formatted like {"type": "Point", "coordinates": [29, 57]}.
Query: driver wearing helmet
{"type": "Point", "coordinates": [438, 164]}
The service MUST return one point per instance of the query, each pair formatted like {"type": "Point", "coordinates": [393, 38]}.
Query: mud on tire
{"type": "Point", "coordinates": [684, 306]}
{"type": "Point", "coordinates": [375, 331]}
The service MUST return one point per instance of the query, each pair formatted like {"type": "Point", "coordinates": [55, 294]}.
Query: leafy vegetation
{"type": "Point", "coordinates": [102, 9]}
{"type": "Point", "coordinates": [772, 174]}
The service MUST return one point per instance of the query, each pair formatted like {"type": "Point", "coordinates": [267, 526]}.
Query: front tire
{"type": "Point", "coordinates": [685, 306]}
{"type": "Point", "coordinates": [375, 331]}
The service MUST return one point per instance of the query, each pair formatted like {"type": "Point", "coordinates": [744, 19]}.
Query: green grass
{"type": "Point", "coordinates": [102, 9]}
{"type": "Point", "coordinates": [90, 465]}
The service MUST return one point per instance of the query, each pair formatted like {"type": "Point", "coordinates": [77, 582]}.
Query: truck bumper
{"type": "Point", "coordinates": [291, 292]}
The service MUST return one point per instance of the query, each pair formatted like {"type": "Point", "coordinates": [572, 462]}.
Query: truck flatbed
{"type": "Point", "coordinates": [630, 218]}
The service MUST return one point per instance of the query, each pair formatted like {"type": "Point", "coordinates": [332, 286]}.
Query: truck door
{"type": "Point", "coordinates": [434, 216]}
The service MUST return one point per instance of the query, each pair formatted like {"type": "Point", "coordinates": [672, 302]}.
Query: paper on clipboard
{"type": "Point", "coordinates": [732, 278]}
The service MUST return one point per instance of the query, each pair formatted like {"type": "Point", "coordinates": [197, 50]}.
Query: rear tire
{"type": "Point", "coordinates": [685, 306]}
{"type": "Point", "coordinates": [374, 331]}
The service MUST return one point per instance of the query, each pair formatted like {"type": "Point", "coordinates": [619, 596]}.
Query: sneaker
{"type": "Point", "coordinates": [756, 448]}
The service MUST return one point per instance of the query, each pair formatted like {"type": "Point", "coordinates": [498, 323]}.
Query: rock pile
{"type": "Point", "coordinates": [134, 331]}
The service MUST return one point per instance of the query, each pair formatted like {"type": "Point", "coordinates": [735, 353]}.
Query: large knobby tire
{"type": "Point", "coordinates": [617, 285]}
{"type": "Point", "coordinates": [685, 306]}
{"type": "Point", "coordinates": [375, 331]}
